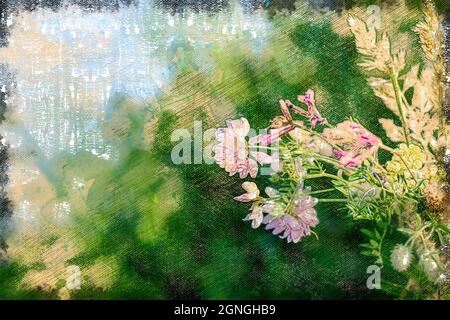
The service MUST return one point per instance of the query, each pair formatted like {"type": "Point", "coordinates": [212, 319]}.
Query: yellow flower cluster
{"type": "Point", "coordinates": [407, 159]}
{"type": "Point", "coordinates": [410, 163]}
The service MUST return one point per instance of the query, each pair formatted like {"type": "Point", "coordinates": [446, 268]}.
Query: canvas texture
{"type": "Point", "coordinates": [224, 149]}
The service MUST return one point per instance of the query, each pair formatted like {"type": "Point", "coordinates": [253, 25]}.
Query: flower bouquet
{"type": "Point", "coordinates": [395, 186]}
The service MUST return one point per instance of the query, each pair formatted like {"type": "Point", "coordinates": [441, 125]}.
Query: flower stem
{"type": "Point", "coordinates": [380, 244]}
{"type": "Point", "coordinates": [318, 157]}
{"type": "Point", "coordinates": [397, 91]}
{"type": "Point", "coordinates": [320, 191]}
{"type": "Point", "coordinates": [327, 175]}
{"type": "Point", "coordinates": [332, 200]}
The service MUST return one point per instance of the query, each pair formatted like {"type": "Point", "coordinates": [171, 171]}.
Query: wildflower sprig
{"type": "Point", "coordinates": [404, 194]}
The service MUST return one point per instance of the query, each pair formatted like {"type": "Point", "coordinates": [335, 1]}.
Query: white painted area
{"type": "Point", "coordinates": [77, 61]}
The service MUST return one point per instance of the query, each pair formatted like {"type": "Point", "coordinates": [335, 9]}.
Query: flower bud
{"type": "Point", "coordinates": [430, 266]}
{"type": "Point", "coordinates": [401, 257]}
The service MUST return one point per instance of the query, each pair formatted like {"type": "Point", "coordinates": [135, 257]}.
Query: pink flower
{"type": "Point", "coordinates": [232, 150]}
{"type": "Point", "coordinates": [273, 136]}
{"type": "Point", "coordinates": [288, 227]}
{"type": "Point", "coordinates": [251, 194]}
{"type": "Point", "coordinates": [256, 216]}
{"type": "Point", "coordinates": [311, 113]}
{"type": "Point", "coordinates": [357, 143]}
{"type": "Point", "coordinates": [273, 205]}
{"type": "Point", "coordinates": [285, 110]}
{"type": "Point", "coordinates": [298, 224]}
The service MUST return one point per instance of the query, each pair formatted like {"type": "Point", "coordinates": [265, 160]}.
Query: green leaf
{"type": "Point", "coordinates": [368, 233]}
{"type": "Point", "coordinates": [374, 244]}
{"type": "Point", "coordinates": [367, 253]}
{"type": "Point", "coordinates": [443, 227]}
{"type": "Point", "coordinates": [377, 235]}
{"type": "Point", "coordinates": [405, 230]}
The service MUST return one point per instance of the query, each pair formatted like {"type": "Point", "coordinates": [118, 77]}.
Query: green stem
{"type": "Point", "coordinates": [327, 175]}
{"type": "Point", "coordinates": [397, 91]}
{"type": "Point", "coordinates": [320, 191]}
{"type": "Point", "coordinates": [380, 244]}
{"type": "Point", "coordinates": [332, 200]}
{"type": "Point", "coordinates": [319, 157]}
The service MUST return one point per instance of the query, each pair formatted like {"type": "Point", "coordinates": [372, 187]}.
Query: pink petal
{"type": "Point", "coordinates": [269, 138]}
{"type": "Point", "coordinates": [240, 127]}
{"type": "Point", "coordinates": [250, 187]}
{"type": "Point", "coordinates": [252, 168]}
{"type": "Point", "coordinates": [243, 174]}
{"type": "Point", "coordinates": [285, 110]}
{"type": "Point", "coordinates": [257, 221]}
{"type": "Point", "coordinates": [262, 139]}
{"type": "Point", "coordinates": [308, 98]}
{"type": "Point", "coordinates": [261, 157]}
{"type": "Point", "coordinates": [338, 154]}
{"type": "Point", "coordinates": [246, 197]}
{"type": "Point", "coordinates": [251, 194]}
{"type": "Point", "coordinates": [296, 235]}
{"type": "Point", "coordinates": [271, 192]}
